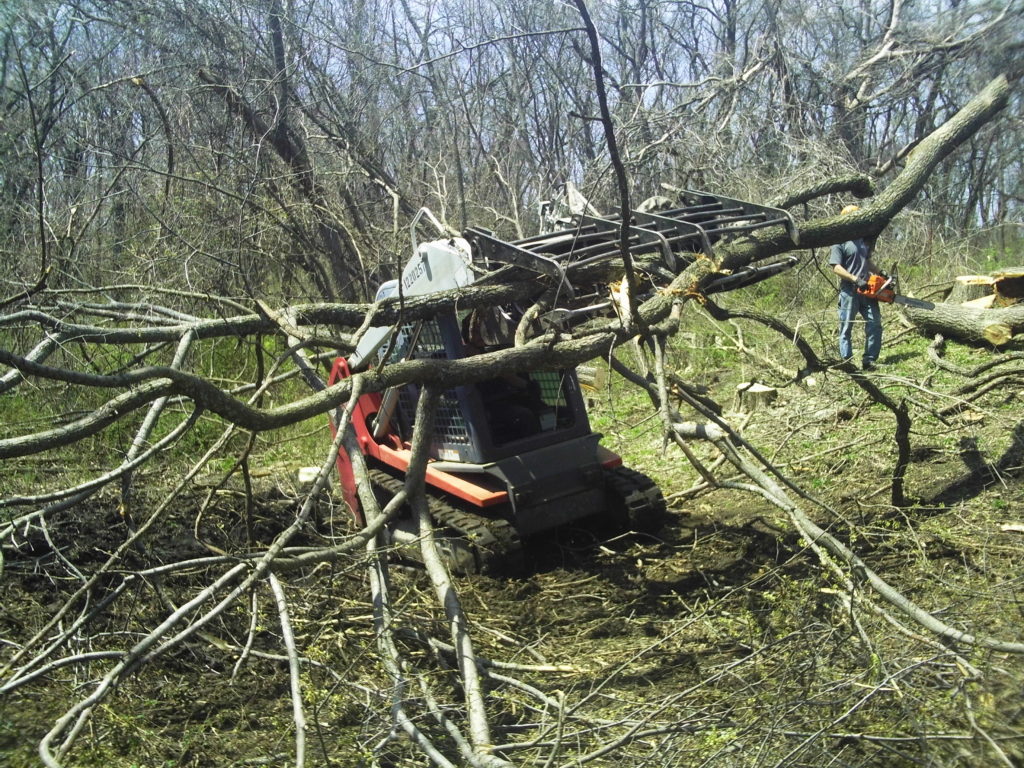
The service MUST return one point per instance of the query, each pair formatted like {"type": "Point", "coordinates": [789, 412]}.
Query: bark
{"type": "Point", "coordinates": [970, 325]}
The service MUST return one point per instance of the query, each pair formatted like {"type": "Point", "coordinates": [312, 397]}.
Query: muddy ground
{"type": "Point", "coordinates": [722, 640]}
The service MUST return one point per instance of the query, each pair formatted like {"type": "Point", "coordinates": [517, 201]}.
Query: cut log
{"type": "Point", "coordinates": [997, 334]}
{"type": "Point", "coordinates": [970, 324]}
{"type": "Point", "coordinates": [750, 395]}
{"type": "Point", "coordinates": [593, 378]}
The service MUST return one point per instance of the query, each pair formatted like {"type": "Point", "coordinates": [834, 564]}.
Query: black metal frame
{"type": "Point", "coordinates": [695, 227]}
{"type": "Point", "coordinates": [463, 431]}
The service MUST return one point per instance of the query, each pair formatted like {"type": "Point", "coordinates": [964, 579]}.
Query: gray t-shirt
{"type": "Point", "coordinates": [853, 256]}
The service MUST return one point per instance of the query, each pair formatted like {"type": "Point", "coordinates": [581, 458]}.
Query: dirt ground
{"type": "Point", "coordinates": [722, 640]}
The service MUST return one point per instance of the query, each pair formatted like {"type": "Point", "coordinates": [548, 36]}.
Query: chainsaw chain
{"type": "Point", "coordinates": [494, 540]}
{"type": "Point", "coordinates": [644, 506]}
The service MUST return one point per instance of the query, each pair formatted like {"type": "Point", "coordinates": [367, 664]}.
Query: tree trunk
{"type": "Point", "coordinates": [970, 324]}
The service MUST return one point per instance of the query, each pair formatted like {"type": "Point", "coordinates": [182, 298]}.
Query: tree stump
{"type": "Point", "coordinates": [1009, 286]}
{"type": "Point", "coordinates": [751, 395]}
{"type": "Point", "coordinates": [970, 288]}
{"type": "Point", "coordinates": [1005, 286]}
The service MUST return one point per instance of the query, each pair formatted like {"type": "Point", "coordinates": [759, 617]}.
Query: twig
{"type": "Point", "coordinates": [250, 636]}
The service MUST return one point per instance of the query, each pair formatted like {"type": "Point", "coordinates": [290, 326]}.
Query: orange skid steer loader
{"type": "Point", "coordinates": [514, 456]}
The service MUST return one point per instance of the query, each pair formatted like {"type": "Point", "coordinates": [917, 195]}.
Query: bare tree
{"type": "Point", "coordinates": [445, 723]}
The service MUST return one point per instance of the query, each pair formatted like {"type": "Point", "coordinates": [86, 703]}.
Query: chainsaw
{"type": "Point", "coordinates": [883, 288]}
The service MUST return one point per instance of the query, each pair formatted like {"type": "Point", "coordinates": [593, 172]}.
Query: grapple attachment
{"type": "Point", "coordinates": [702, 221]}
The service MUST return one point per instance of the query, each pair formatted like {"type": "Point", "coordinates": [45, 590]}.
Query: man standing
{"type": "Point", "coordinates": [852, 262]}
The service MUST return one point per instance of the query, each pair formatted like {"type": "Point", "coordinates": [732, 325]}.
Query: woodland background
{"type": "Point", "coordinates": [187, 186]}
{"type": "Point", "coordinates": [281, 148]}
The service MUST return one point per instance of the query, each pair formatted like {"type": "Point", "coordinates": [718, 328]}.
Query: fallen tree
{"type": "Point", "coordinates": [980, 310]}
{"type": "Point", "coordinates": [971, 325]}
{"type": "Point", "coordinates": [234, 578]}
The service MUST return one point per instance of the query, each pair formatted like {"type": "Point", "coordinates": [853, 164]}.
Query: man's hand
{"type": "Point", "coordinates": [862, 283]}
{"type": "Point", "coordinates": [845, 274]}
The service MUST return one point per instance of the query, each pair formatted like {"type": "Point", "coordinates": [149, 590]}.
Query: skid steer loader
{"type": "Point", "coordinates": [515, 456]}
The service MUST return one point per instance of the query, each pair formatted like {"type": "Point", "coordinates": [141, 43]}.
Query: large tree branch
{"type": "Point", "coordinates": [871, 219]}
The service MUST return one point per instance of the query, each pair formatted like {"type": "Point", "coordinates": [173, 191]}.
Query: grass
{"type": "Point", "coordinates": [725, 623]}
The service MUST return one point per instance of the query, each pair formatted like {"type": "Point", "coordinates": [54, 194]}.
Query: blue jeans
{"type": "Point", "coordinates": [853, 304]}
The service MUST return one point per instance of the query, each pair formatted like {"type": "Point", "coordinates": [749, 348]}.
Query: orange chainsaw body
{"type": "Point", "coordinates": [879, 288]}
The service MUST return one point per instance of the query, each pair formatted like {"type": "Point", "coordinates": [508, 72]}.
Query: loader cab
{"type": "Point", "coordinates": [493, 419]}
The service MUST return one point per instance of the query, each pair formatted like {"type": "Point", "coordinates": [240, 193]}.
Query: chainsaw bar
{"type": "Point", "coordinates": [907, 301]}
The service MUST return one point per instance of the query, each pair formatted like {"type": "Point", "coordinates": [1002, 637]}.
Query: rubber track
{"type": "Point", "coordinates": [645, 507]}
{"type": "Point", "coordinates": [494, 540]}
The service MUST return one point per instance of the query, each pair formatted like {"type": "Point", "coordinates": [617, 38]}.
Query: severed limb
{"type": "Point", "coordinates": [83, 490]}
{"type": "Point", "coordinates": [937, 349]}
{"type": "Point", "coordinates": [37, 354]}
{"type": "Point", "coordinates": [147, 426]}
{"type": "Point", "coordinates": [813, 362]}
{"type": "Point", "coordinates": [80, 493]}
{"type": "Point", "coordinates": [447, 595]}
{"type": "Point", "coordinates": [760, 471]}
{"type": "Point", "coordinates": [74, 719]}
{"type": "Point", "coordinates": [774, 493]}
{"type": "Point", "coordinates": [384, 620]}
